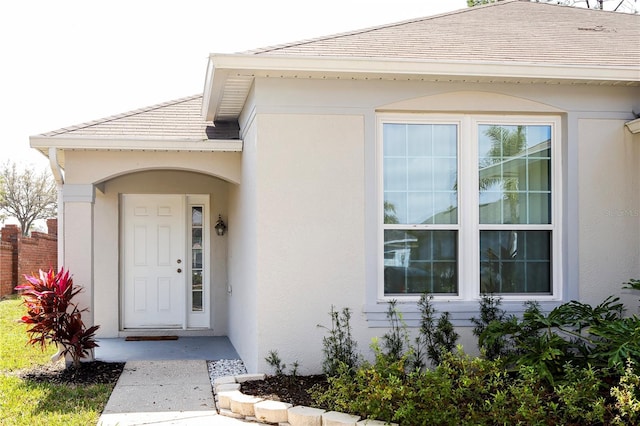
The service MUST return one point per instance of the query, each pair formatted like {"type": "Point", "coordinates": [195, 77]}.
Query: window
{"type": "Point", "coordinates": [197, 266]}
{"type": "Point", "coordinates": [469, 205]}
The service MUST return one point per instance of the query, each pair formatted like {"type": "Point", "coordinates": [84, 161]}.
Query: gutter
{"type": "Point", "coordinates": [633, 126]}
{"type": "Point", "coordinates": [58, 175]}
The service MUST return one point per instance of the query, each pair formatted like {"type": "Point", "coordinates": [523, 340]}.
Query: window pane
{"type": "Point", "coordinates": [421, 207]}
{"type": "Point", "coordinates": [444, 208]}
{"type": "Point", "coordinates": [419, 140]}
{"type": "Point", "coordinates": [395, 207]}
{"type": "Point", "coordinates": [420, 261]}
{"type": "Point", "coordinates": [196, 301]}
{"type": "Point", "coordinates": [514, 174]}
{"type": "Point", "coordinates": [197, 258]}
{"type": "Point", "coordinates": [445, 140]}
{"type": "Point", "coordinates": [196, 280]}
{"type": "Point", "coordinates": [395, 143]}
{"type": "Point", "coordinates": [515, 262]}
{"type": "Point", "coordinates": [539, 176]}
{"type": "Point", "coordinates": [196, 238]}
{"type": "Point", "coordinates": [196, 216]}
{"type": "Point", "coordinates": [420, 173]}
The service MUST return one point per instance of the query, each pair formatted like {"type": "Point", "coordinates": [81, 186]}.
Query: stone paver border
{"type": "Point", "coordinates": [233, 403]}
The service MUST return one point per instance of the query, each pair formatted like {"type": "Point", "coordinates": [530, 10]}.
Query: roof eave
{"type": "Point", "coordinates": [224, 67]}
{"type": "Point", "coordinates": [43, 143]}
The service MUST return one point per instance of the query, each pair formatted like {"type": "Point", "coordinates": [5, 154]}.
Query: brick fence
{"type": "Point", "coordinates": [26, 255]}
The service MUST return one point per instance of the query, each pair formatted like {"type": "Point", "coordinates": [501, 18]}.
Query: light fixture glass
{"type": "Point", "coordinates": [220, 227]}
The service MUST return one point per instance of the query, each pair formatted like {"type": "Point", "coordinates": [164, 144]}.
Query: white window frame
{"type": "Point", "coordinates": [198, 319]}
{"type": "Point", "coordinates": [468, 226]}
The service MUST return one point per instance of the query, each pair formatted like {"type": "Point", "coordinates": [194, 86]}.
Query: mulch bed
{"type": "Point", "coordinates": [89, 373]}
{"type": "Point", "coordinates": [291, 389]}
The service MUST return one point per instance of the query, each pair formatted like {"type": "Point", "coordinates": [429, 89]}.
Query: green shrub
{"type": "Point", "coordinates": [274, 361]}
{"type": "Point", "coordinates": [574, 333]}
{"type": "Point", "coordinates": [490, 311]}
{"type": "Point", "coordinates": [53, 317]}
{"type": "Point", "coordinates": [339, 347]}
{"type": "Point", "coordinates": [373, 391]}
{"type": "Point", "coordinates": [438, 336]}
{"type": "Point", "coordinates": [463, 390]}
{"type": "Point", "coordinates": [396, 341]}
{"type": "Point", "coordinates": [627, 397]}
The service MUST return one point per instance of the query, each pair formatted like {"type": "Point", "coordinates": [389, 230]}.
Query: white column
{"type": "Point", "coordinates": [78, 201]}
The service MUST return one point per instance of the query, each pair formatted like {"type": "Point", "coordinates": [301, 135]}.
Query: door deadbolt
{"type": "Point", "coordinates": [179, 261]}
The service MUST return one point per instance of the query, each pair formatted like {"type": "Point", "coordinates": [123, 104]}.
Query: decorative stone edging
{"type": "Point", "coordinates": [233, 403]}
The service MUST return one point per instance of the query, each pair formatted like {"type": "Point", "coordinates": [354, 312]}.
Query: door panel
{"type": "Point", "coordinates": [153, 252]}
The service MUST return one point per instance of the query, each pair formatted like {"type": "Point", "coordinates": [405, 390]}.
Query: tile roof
{"type": "Point", "coordinates": [508, 31]}
{"type": "Point", "coordinates": [179, 119]}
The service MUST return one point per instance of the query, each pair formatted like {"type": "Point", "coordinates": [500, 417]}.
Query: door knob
{"type": "Point", "coordinates": [179, 270]}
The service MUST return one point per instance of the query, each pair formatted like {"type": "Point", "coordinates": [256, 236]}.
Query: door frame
{"type": "Point", "coordinates": [190, 320]}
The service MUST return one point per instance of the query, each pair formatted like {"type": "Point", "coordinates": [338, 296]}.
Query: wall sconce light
{"type": "Point", "coordinates": [220, 227]}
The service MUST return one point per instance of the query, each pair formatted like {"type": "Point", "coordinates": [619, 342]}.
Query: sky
{"type": "Point", "coordinates": [67, 62]}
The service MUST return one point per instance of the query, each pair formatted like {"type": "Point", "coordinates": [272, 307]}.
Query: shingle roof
{"type": "Point", "coordinates": [507, 31]}
{"type": "Point", "coordinates": [179, 119]}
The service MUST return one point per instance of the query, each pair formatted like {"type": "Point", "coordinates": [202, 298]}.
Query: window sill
{"type": "Point", "coordinates": [460, 312]}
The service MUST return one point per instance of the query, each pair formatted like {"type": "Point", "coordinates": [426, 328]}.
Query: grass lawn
{"type": "Point", "coordinates": [26, 402]}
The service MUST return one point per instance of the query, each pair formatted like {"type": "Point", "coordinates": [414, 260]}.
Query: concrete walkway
{"type": "Point", "coordinates": [164, 382]}
{"type": "Point", "coordinates": [164, 392]}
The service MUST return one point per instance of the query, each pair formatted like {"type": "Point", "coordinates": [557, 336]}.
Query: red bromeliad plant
{"type": "Point", "coordinates": [52, 315]}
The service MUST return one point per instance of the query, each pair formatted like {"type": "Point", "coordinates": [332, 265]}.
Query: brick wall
{"type": "Point", "coordinates": [26, 255]}
{"type": "Point", "coordinates": [6, 268]}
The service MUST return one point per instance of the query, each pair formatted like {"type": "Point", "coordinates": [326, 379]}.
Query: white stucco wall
{"type": "Point", "coordinates": [310, 229]}
{"type": "Point", "coordinates": [609, 164]}
{"type": "Point", "coordinates": [317, 197]}
{"type": "Point", "coordinates": [243, 255]}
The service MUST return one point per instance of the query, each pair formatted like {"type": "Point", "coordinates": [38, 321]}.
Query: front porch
{"type": "Point", "coordinates": [188, 347]}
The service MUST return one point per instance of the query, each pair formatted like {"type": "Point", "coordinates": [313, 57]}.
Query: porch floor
{"type": "Point", "coordinates": [208, 348]}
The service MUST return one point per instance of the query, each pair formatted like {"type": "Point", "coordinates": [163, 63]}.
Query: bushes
{"type": "Point", "coordinates": [463, 390]}
{"type": "Point", "coordinates": [53, 317]}
{"type": "Point", "coordinates": [575, 365]}
{"type": "Point", "coordinates": [573, 333]}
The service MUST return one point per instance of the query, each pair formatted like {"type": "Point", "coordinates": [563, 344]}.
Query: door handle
{"type": "Point", "coordinates": [179, 270]}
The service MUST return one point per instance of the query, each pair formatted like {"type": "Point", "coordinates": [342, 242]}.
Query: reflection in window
{"type": "Point", "coordinates": [515, 262]}
{"type": "Point", "coordinates": [514, 170]}
{"type": "Point", "coordinates": [514, 165]}
{"type": "Point", "coordinates": [420, 172]}
{"type": "Point", "coordinates": [420, 261]}
{"type": "Point", "coordinates": [197, 251]}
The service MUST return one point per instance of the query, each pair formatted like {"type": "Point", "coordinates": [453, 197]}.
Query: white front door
{"type": "Point", "coordinates": [153, 258]}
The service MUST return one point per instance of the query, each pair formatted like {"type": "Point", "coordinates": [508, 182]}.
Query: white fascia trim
{"type": "Point", "coordinates": [135, 144]}
{"type": "Point", "coordinates": [221, 66]}
{"type": "Point", "coordinates": [383, 66]}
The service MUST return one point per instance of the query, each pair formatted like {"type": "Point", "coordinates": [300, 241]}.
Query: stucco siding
{"type": "Point", "coordinates": [96, 167]}
{"type": "Point", "coordinates": [609, 219]}
{"type": "Point", "coordinates": [243, 252]}
{"type": "Point", "coordinates": [310, 230]}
